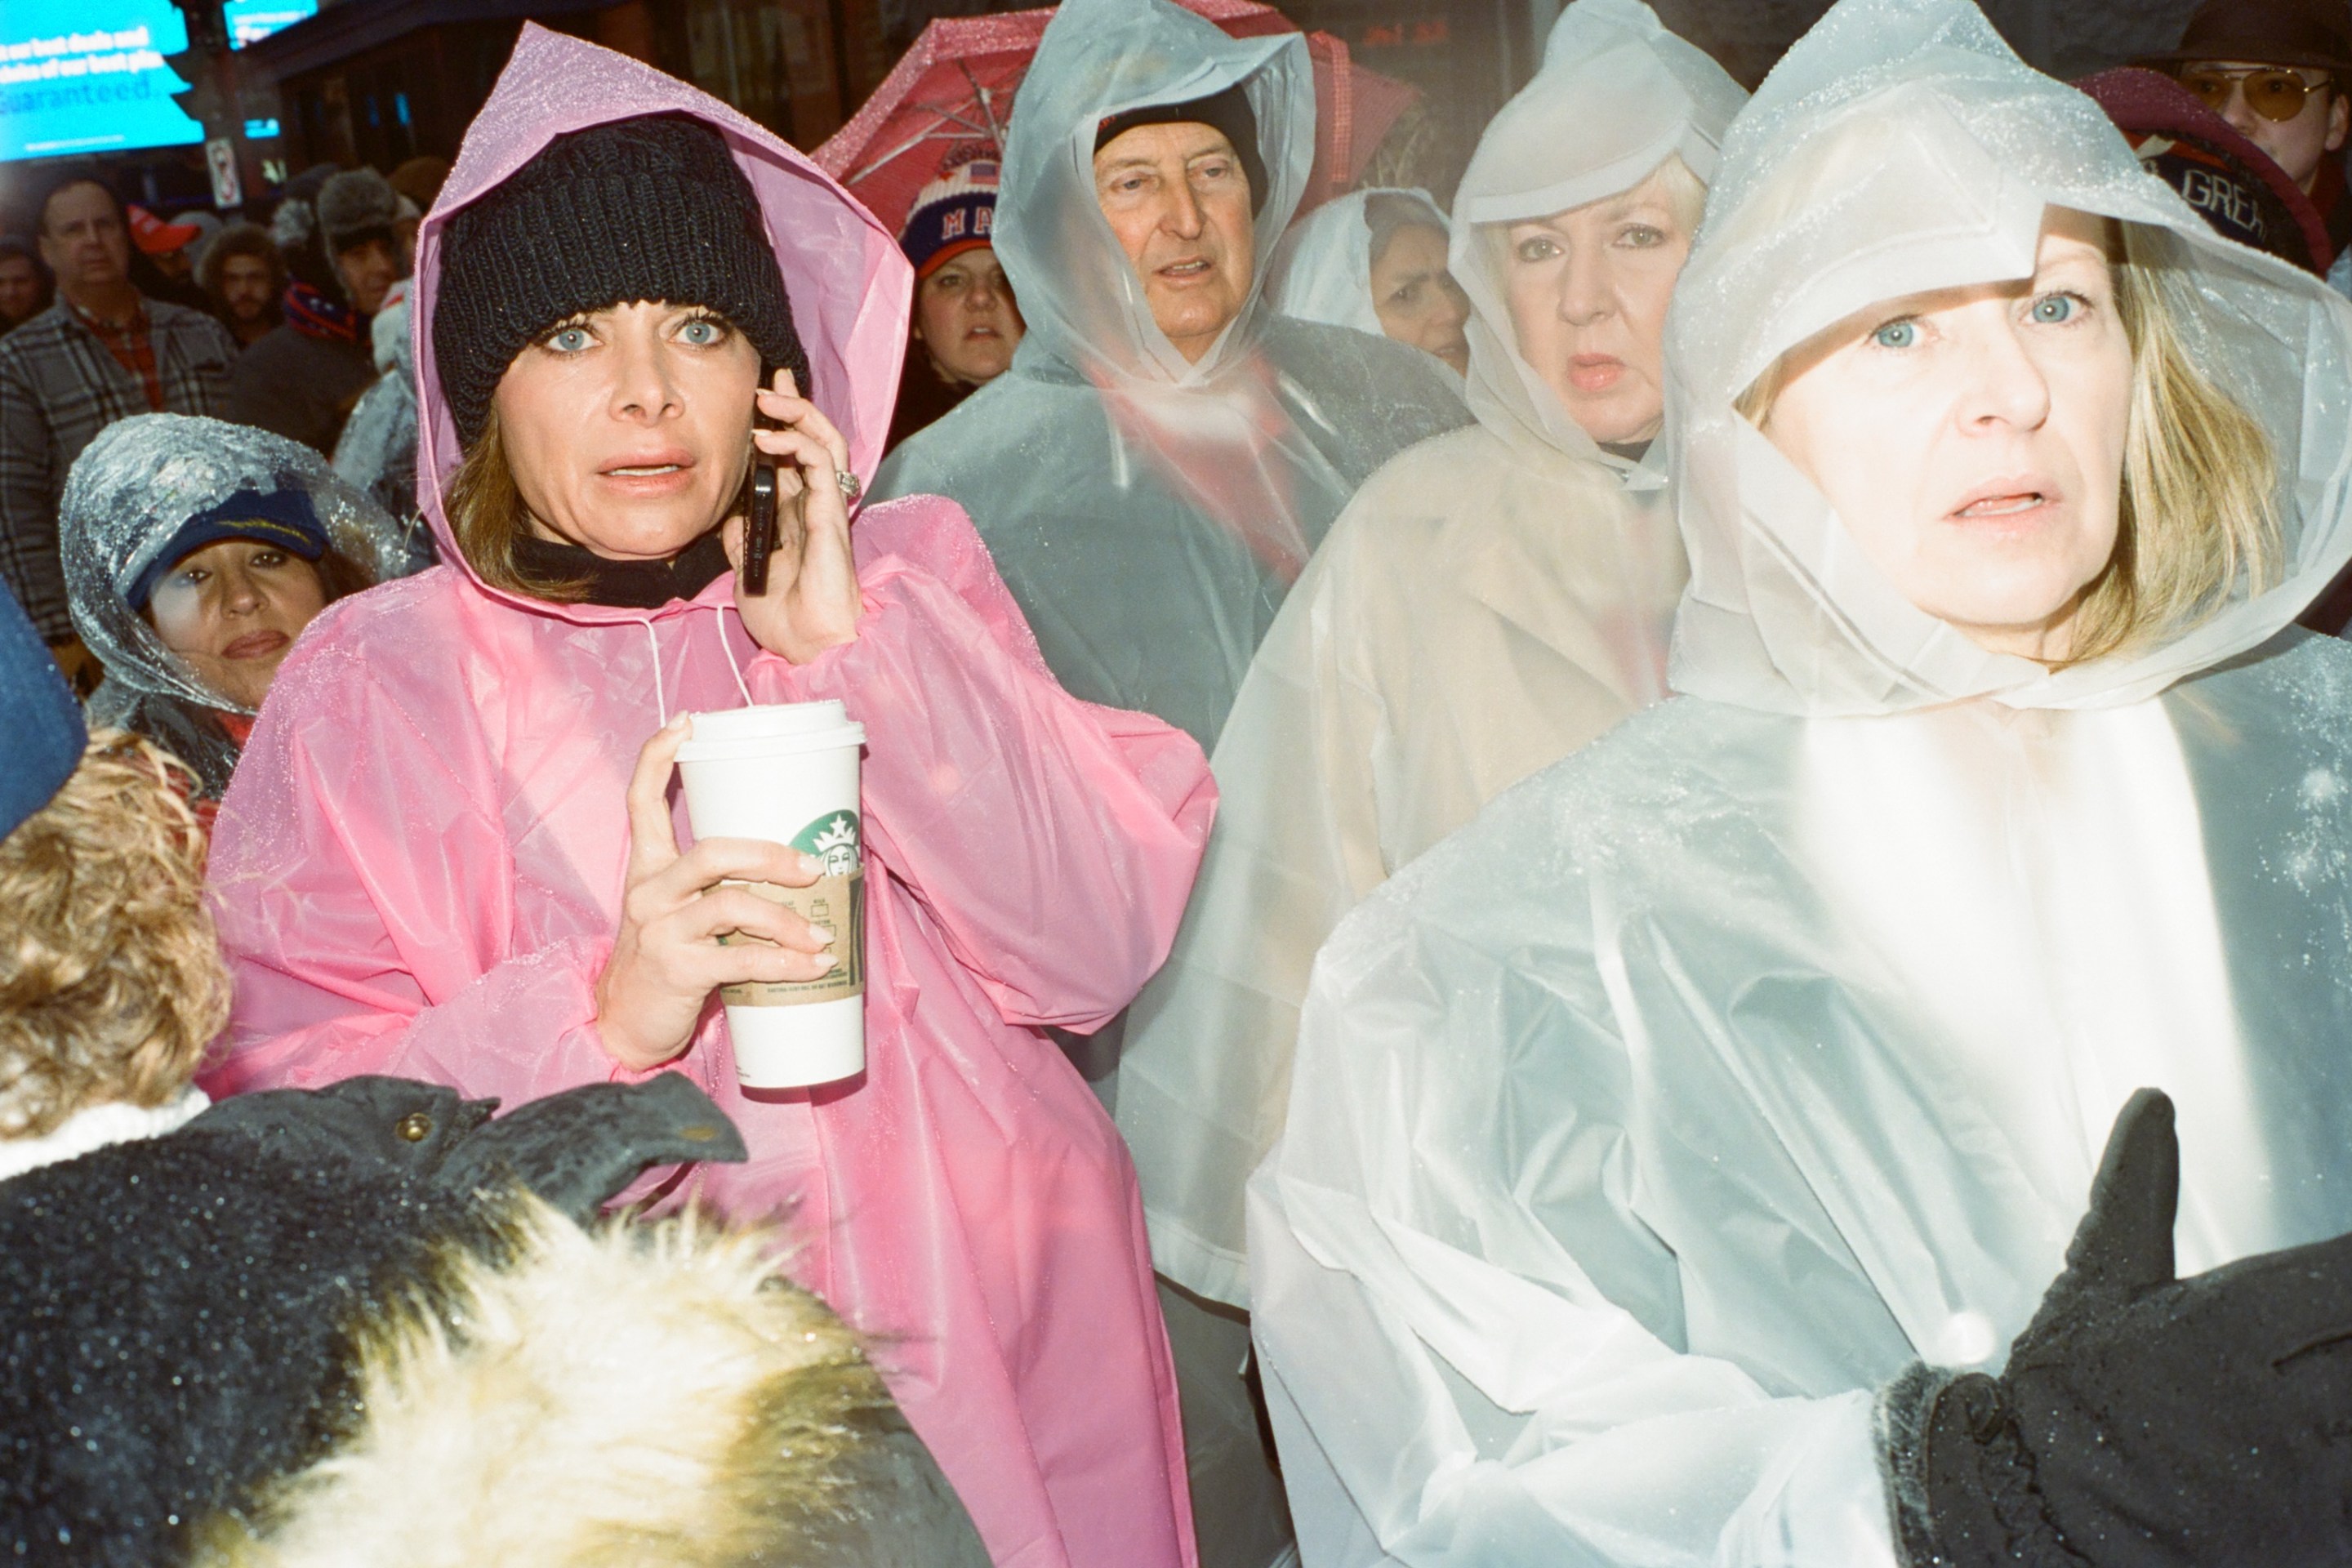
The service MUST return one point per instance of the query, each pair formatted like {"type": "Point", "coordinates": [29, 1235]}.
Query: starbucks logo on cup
{"type": "Point", "coordinates": [834, 840]}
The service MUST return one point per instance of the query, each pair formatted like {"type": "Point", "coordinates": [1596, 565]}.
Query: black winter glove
{"type": "Point", "coordinates": [576, 1149]}
{"type": "Point", "coordinates": [2143, 1420]}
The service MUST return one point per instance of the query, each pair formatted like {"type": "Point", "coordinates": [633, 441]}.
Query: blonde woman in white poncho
{"type": "Point", "coordinates": [1697, 1159]}
{"type": "Point", "coordinates": [1491, 601]}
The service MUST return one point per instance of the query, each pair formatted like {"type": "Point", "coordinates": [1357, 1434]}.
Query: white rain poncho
{"type": "Point", "coordinates": [1488, 602]}
{"type": "Point", "coordinates": [127, 494]}
{"type": "Point", "coordinates": [1150, 514]}
{"type": "Point", "coordinates": [1323, 269]}
{"type": "Point", "coordinates": [1644, 1129]}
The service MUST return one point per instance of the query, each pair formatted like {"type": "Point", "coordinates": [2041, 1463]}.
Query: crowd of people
{"type": "Point", "coordinates": [1651, 864]}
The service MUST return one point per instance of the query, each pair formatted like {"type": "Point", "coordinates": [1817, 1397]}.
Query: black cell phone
{"type": "Point", "coordinates": [760, 530]}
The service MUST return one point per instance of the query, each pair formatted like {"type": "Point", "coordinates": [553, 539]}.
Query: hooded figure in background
{"type": "Point", "coordinates": [1375, 260]}
{"type": "Point", "coordinates": [1150, 503]}
{"type": "Point", "coordinates": [452, 854]}
{"type": "Point", "coordinates": [2216, 169]}
{"type": "Point", "coordinates": [342, 248]}
{"type": "Point", "coordinates": [1488, 602]}
{"type": "Point", "coordinates": [189, 638]}
{"type": "Point", "coordinates": [376, 452]}
{"type": "Point", "coordinates": [1677, 1155]}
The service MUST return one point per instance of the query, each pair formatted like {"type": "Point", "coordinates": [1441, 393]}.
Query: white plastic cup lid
{"type": "Point", "coordinates": [772, 727]}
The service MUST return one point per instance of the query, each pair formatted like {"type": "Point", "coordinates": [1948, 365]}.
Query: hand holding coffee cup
{"type": "Point", "coordinates": [787, 772]}
{"type": "Point", "coordinates": [668, 957]}
{"type": "Point", "coordinates": [812, 601]}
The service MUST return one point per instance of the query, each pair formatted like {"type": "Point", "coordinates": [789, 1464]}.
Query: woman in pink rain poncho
{"type": "Point", "coordinates": [429, 865]}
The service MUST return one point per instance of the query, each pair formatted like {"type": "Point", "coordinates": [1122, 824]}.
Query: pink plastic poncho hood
{"type": "Point", "coordinates": [851, 288]}
{"type": "Point", "coordinates": [419, 871]}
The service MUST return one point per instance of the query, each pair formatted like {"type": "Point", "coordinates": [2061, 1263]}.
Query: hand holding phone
{"type": "Point", "coordinates": [796, 576]}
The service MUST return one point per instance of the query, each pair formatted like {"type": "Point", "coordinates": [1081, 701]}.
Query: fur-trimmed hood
{"type": "Point", "coordinates": [371, 1324]}
{"type": "Point", "coordinates": [639, 1394]}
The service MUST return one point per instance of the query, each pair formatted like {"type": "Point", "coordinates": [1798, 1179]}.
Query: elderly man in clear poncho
{"type": "Point", "coordinates": [1682, 1159]}
{"type": "Point", "coordinates": [1490, 602]}
{"type": "Point", "coordinates": [1165, 452]}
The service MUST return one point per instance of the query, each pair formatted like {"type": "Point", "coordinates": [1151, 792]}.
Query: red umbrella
{"type": "Point", "coordinates": [951, 95]}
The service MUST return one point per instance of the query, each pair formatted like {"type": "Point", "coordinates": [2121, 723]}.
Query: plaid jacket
{"type": "Point", "coordinates": [59, 388]}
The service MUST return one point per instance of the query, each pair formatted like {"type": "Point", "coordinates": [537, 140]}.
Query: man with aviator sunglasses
{"type": "Point", "coordinates": [2276, 69]}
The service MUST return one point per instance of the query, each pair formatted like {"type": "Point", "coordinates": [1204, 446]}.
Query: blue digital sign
{"type": "Point", "coordinates": [89, 77]}
{"type": "Point", "coordinates": [250, 21]}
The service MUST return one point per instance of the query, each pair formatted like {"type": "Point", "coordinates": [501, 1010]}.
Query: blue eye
{"type": "Point", "coordinates": [2052, 309]}
{"type": "Point", "coordinates": [1901, 334]}
{"type": "Point", "coordinates": [570, 341]}
{"type": "Point", "coordinates": [702, 332]}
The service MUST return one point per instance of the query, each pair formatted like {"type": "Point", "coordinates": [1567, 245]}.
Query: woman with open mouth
{"type": "Point", "coordinates": [453, 853]}
{"type": "Point", "coordinates": [195, 553]}
{"type": "Point", "coordinates": [1684, 1156]}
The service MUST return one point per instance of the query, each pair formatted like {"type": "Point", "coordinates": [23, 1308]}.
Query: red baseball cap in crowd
{"type": "Point", "coordinates": [154, 237]}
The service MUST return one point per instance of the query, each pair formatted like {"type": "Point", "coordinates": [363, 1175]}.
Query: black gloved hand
{"type": "Point", "coordinates": [576, 1149]}
{"type": "Point", "coordinates": [2142, 1420]}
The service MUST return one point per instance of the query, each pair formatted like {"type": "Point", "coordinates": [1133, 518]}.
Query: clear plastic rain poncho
{"type": "Point", "coordinates": [1646, 1128]}
{"type": "Point", "coordinates": [1150, 514]}
{"type": "Point", "coordinates": [1490, 602]}
{"type": "Point", "coordinates": [1323, 269]}
{"type": "Point", "coordinates": [127, 495]}
{"type": "Point", "coordinates": [376, 452]}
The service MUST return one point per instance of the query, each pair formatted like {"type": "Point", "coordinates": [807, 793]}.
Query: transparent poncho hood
{"type": "Point", "coordinates": [1616, 96]}
{"type": "Point", "coordinates": [1079, 293]}
{"type": "Point", "coordinates": [1900, 147]}
{"type": "Point", "coordinates": [1323, 269]}
{"type": "Point", "coordinates": [132, 487]}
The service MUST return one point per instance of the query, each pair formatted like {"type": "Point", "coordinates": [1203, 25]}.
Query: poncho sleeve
{"type": "Point", "coordinates": [1205, 1070]}
{"type": "Point", "coordinates": [1052, 841]}
{"type": "Point", "coordinates": [1474, 1343]}
{"type": "Point", "coordinates": [353, 954]}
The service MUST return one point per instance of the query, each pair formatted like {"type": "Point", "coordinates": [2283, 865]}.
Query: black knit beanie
{"type": "Point", "coordinates": [1228, 111]}
{"type": "Point", "coordinates": [651, 208]}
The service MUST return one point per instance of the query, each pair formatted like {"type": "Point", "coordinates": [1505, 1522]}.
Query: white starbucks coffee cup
{"type": "Point", "coordinates": [787, 772]}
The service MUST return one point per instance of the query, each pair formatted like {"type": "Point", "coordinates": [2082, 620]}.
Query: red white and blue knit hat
{"type": "Point", "coordinates": [953, 214]}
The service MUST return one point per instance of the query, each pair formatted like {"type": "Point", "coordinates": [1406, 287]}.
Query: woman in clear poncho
{"type": "Point", "coordinates": [454, 851]}
{"type": "Point", "coordinates": [1490, 601]}
{"type": "Point", "coordinates": [1148, 511]}
{"type": "Point", "coordinates": [1674, 1154]}
{"type": "Point", "coordinates": [195, 552]}
{"type": "Point", "coordinates": [1374, 260]}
